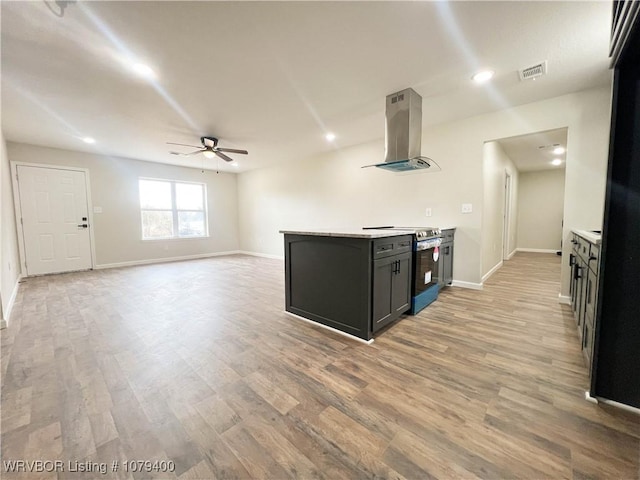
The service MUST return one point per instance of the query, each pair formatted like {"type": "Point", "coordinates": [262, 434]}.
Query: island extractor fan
{"type": "Point", "coordinates": [209, 149]}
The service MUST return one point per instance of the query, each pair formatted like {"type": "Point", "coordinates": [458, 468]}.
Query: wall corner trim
{"type": "Point", "coordinates": [469, 285]}
{"type": "Point", "coordinates": [496, 267]}
{"type": "Point", "coordinates": [564, 299]}
{"type": "Point", "coordinates": [7, 314]}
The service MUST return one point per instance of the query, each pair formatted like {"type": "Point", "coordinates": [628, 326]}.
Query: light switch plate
{"type": "Point", "coordinates": [467, 208]}
{"type": "Point", "coordinates": [97, 209]}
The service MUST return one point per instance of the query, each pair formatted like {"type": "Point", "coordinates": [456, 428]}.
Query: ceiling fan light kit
{"type": "Point", "coordinates": [209, 149]}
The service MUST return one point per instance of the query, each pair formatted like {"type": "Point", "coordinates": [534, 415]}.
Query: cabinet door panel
{"type": "Point", "coordinates": [383, 271]}
{"type": "Point", "coordinates": [448, 276]}
{"type": "Point", "coordinates": [401, 284]}
{"type": "Point", "coordinates": [590, 293]}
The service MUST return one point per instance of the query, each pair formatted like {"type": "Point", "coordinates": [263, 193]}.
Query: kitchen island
{"type": "Point", "coordinates": [355, 281]}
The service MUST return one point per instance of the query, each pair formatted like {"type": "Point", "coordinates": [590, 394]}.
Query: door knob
{"type": "Point", "coordinates": [84, 225]}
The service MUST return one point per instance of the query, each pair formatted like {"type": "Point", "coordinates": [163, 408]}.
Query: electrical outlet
{"type": "Point", "coordinates": [467, 208]}
{"type": "Point", "coordinates": [427, 212]}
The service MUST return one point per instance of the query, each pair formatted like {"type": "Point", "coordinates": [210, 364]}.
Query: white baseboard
{"type": "Point", "coordinates": [538, 250]}
{"type": "Point", "coordinates": [7, 313]}
{"type": "Point", "coordinates": [510, 256]}
{"type": "Point", "coordinates": [353, 337]}
{"type": "Point", "coordinates": [622, 406]}
{"type": "Point", "coordinates": [564, 299]}
{"type": "Point", "coordinates": [589, 398]}
{"type": "Point", "coordinates": [497, 267]}
{"type": "Point", "coordinates": [165, 260]}
{"type": "Point", "coordinates": [470, 285]}
{"type": "Point", "coordinates": [263, 255]}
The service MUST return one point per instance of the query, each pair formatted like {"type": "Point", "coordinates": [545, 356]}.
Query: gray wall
{"type": "Point", "coordinates": [540, 209]}
{"type": "Point", "coordinates": [114, 187]}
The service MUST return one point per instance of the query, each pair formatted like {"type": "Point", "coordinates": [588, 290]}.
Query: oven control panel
{"type": "Point", "coordinates": [427, 233]}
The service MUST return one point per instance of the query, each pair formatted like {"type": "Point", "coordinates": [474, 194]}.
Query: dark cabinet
{"type": "Point", "coordinates": [391, 289]}
{"type": "Point", "coordinates": [584, 291]}
{"type": "Point", "coordinates": [356, 284]}
{"type": "Point", "coordinates": [445, 276]}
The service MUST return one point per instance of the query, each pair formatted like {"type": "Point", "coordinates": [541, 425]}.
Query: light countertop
{"type": "Point", "coordinates": [592, 237]}
{"type": "Point", "coordinates": [347, 232]}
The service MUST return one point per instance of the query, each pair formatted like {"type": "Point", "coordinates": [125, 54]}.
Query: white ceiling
{"type": "Point", "coordinates": [273, 77]}
{"type": "Point", "coordinates": [535, 151]}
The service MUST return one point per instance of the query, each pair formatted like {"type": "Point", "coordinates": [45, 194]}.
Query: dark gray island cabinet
{"type": "Point", "coordinates": [354, 281]}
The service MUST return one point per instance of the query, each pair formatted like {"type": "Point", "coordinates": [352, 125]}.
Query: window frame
{"type": "Point", "coordinates": [174, 210]}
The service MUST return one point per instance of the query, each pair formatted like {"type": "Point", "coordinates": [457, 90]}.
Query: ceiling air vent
{"type": "Point", "coordinates": [533, 72]}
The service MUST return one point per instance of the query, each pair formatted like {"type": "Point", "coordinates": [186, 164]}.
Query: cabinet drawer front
{"type": "Point", "coordinates": [404, 245]}
{"type": "Point", "coordinates": [384, 247]}
{"type": "Point", "coordinates": [594, 258]}
{"type": "Point", "coordinates": [583, 248]}
{"type": "Point", "coordinates": [575, 248]}
{"type": "Point", "coordinates": [447, 236]}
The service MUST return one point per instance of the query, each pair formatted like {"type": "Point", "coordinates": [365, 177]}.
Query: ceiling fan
{"type": "Point", "coordinates": [209, 149]}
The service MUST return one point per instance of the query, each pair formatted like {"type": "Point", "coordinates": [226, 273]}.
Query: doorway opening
{"type": "Point", "coordinates": [523, 180]}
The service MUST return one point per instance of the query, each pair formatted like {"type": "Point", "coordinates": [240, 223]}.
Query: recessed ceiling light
{"type": "Point", "coordinates": [558, 150]}
{"type": "Point", "coordinates": [143, 70]}
{"type": "Point", "coordinates": [483, 76]}
{"type": "Point", "coordinates": [330, 137]}
{"type": "Point", "coordinates": [556, 162]}
{"type": "Point", "coordinates": [89, 140]}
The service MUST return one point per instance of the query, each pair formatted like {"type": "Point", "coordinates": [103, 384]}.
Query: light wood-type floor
{"type": "Point", "coordinates": [195, 362]}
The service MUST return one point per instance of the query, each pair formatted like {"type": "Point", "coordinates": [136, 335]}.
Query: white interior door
{"type": "Point", "coordinates": [55, 225]}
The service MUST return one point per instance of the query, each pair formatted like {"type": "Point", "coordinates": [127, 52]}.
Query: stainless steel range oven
{"type": "Point", "coordinates": [426, 262]}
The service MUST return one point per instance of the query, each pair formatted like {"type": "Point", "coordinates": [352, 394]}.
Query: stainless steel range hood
{"type": "Point", "coordinates": [403, 134]}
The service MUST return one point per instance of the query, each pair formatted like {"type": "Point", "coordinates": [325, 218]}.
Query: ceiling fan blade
{"type": "Point", "coordinates": [184, 145]}
{"type": "Point", "coordinates": [186, 154]}
{"type": "Point", "coordinates": [223, 156]}
{"type": "Point", "coordinates": [232, 150]}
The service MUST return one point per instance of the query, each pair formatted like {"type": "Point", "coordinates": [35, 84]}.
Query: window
{"type": "Point", "coordinates": [172, 209]}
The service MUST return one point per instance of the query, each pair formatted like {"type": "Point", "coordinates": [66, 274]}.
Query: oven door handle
{"type": "Point", "coordinates": [428, 244]}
